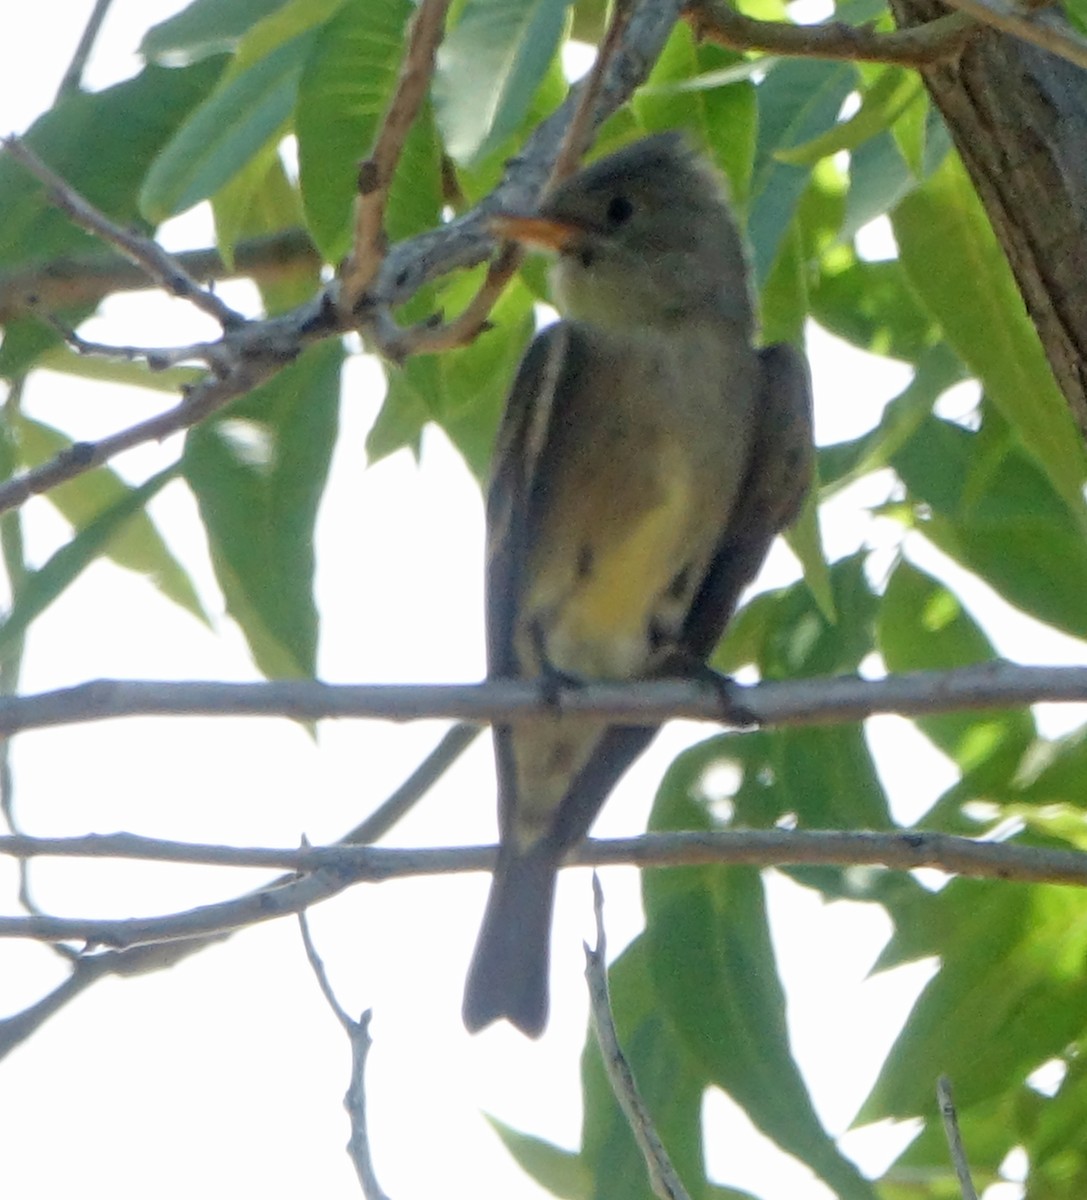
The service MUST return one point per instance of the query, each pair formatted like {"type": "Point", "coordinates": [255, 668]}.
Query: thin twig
{"type": "Point", "coordinates": [933, 42]}
{"type": "Point", "coordinates": [145, 252]}
{"type": "Point", "coordinates": [203, 399]}
{"type": "Point", "coordinates": [579, 131]}
{"type": "Point", "coordinates": [144, 960]}
{"type": "Point", "coordinates": [1043, 27]}
{"type": "Point", "coordinates": [376, 172]}
{"type": "Point", "coordinates": [332, 869]}
{"type": "Point", "coordinates": [452, 745]}
{"type": "Point", "coordinates": [73, 76]}
{"type": "Point", "coordinates": [954, 1137]}
{"type": "Point", "coordinates": [71, 282]}
{"type": "Point", "coordinates": [812, 701]}
{"type": "Point", "coordinates": [663, 1177]}
{"type": "Point", "coordinates": [358, 1034]}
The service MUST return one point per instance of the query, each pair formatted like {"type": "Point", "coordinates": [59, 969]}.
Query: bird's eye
{"type": "Point", "coordinates": [620, 209]}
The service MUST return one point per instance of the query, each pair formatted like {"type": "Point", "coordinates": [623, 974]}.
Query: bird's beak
{"type": "Point", "coordinates": [544, 232]}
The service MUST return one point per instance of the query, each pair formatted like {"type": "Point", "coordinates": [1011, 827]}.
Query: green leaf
{"type": "Point", "coordinates": [138, 546]}
{"type": "Point", "coordinates": [923, 627]}
{"type": "Point", "coordinates": [797, 100]}
{"type": "Point", "coordinates": [845, 462]}
{"type": "Point", "coordinates": [235, 123]}
{"type": "Point", "coordinates": [205, 27]}
{"type": "Point", "coordinates": [800, 640]}
{"type": "Point", "coordinates": [461, 390]}
{"type": "Point", "coordinates": [722, 121]}
{"type": "Point", "coordinates": [559, 1172]}
{"type": "Point", "coordinates": [957, 268]}
{"type": "Point", "coordinates": [258, 473]}
{"type": "Point", "coordinates": [1011, 980]}
{"type": "Point", "coordinates": [344, 92]}
{"type": "Point", "coordinates": [100, 142]}
{"type": "Point", "coordinates": [878, 179]}
{"type": "Point", "coordinates": [872, 305]}
{"type": "Point", "coordinates": [712, 964]}
{"type": "Point", "coordinates": [989, 506]}
{"type": "Point", "coordinates": [892, 90]}
{"type": "Point", "coordinates": [489, 67]}
{"type": "Point", "coordinates": [41, 587]}
{"type": "Point", "coordinates": [261, 200]}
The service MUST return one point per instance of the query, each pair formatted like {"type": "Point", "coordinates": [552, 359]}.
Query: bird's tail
{"type": "Point", "coordinates": [509, 972]}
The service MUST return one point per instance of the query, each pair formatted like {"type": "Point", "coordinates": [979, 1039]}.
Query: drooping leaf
{"type": "Point", "coordinates": [137, 545]}
{"type": "Point", "coordinates": [258, 473]}
{"type": "Point", "coordinates": [41, 587]}
{"type": "Point", "coordinates": [956, 266]}
{"type": "Point", "coordinates": [489, 66]}
{"type": "Point", "coordinates": [205, 27]}
{"type": "Point", "coordinates": [797, 100]}
{"type": "Point", "coordinates": [344, 92]}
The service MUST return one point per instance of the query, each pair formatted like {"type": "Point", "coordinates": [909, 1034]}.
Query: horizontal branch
{"type": "Point", "coordinates": [919, 46]}
{"type": "Point", "coordinates": [820, 701]}
{"type": "Point", "coordinates": [65, 283]}
{"type": "Point", "coordinates": [335, 868]}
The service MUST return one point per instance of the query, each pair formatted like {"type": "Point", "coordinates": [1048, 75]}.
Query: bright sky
{"type": "Point", "coordinates": [227, 1073]}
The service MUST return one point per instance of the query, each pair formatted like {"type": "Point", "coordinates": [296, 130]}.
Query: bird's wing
{"type": "Point", "coordinates": [777, 480]}
{"type": "Point", "coordinates": [513, 496]}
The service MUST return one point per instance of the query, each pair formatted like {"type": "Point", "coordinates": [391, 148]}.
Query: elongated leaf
{"type": "Point", "coordinates": [798, 100]}
{"type": "Point", "coordinates": [712, 964]}
{"type": "Point", "coordinates": [722, 120]}
{"type": "Point", "coordinates": [343, 94]}
{"type": "Point", "coordinates": [489, 67]}
{"type": "Point", "coordinates": [43, 586]}
{"type": "Point", "coordinates": [233, 125]}
{"type": "Point", "coordinates": [989, 506]}
{"type": "Point", "coordinates": [892, 90]}
{"type": "Point", "coordinates": [81, 501]}
{"type": "Point", "coordinates": [563, 1174]}
{"type": "Point", "coordinates": [922, 626]}
{"type": "Point", "coordinates": [878, 179]}
{"type": "Point", "coordinates": [205, 27]}
{"type": "Point", "coordinates": [258, 473]}
{"type": "Point", "coordinates": [100, 143]}
{"type": "Point", "coordinates": [957, 268]}
{"type": "Point", "coordinates": [1010, 980]}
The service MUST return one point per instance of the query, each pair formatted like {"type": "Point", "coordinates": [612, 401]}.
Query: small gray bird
{"type": "Point", "coordinates": [647, 458]}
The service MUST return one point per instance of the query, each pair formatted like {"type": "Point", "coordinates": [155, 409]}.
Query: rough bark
{"type": "Point", "coordinates": [1018, 116]}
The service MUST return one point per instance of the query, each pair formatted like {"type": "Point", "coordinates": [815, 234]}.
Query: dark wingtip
{"type": "Point", "coordinates": [508, 975]}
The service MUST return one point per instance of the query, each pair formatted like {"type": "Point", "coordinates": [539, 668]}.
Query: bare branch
{"type": "Point", "coordinates": [936, 41]}
{"type": "Point", "coordinates": [663, 1177]}
{"type": "Point", "coordinates": [143, 960]}
{"type": "Point", "coordinates": [819, 701]}
{"type": "Point", "coordinates": [954, 1137]}
{"type": "Point", "coordinates": [376, 173]}
{"type": "Point", "coordinates": [143, 251]}
{"type": "Point", "coordinates": [244, 359]}
{"type": "Point", "coordinates": [73, 76]}
{"type": "Point", "coordinates": [335, 868]}
{"type": "Point", "coordinates": [71, 282]}
{"type": "Point", "coordinates": [358, 1034]}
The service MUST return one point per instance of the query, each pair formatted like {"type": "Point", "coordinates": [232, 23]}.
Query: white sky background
{"type": "Point", "coordinates": [227, 1072]}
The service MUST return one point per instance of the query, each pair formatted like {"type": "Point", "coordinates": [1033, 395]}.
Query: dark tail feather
{"type": "Point", "coordinates": [508, 975]}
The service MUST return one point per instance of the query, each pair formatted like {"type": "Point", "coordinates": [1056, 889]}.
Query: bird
{"type": "Point", "coordinates": [647, 456]}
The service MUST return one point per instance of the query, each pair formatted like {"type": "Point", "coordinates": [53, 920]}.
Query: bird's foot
{"type": "Point", "coordinates": [733, 711]}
